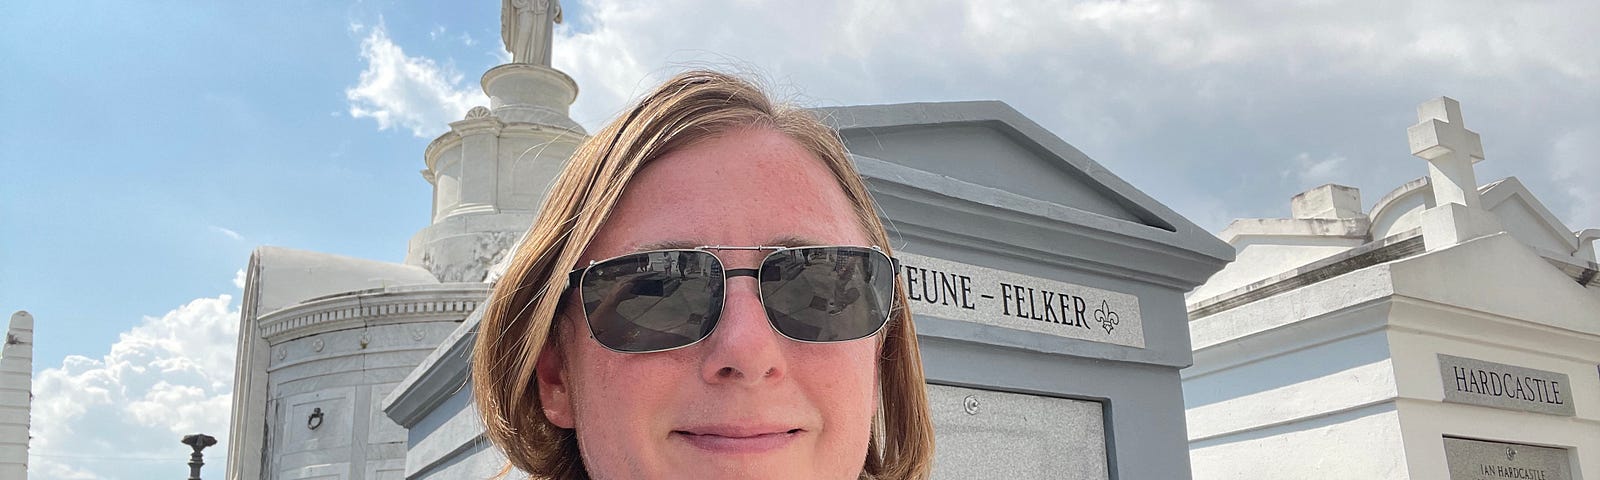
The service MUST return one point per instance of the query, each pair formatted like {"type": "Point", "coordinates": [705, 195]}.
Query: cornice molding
{"type": "Point", "coordinates": [430, 155]}
{"type": "Point", "coordinates": [477, 126]}
{"type": "Point", "coordinates": [431, 303]}
{"type": "Point", "coordinates": [1403, 245]}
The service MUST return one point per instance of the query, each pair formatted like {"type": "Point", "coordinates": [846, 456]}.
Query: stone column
{"type": "Point", "coordinates": [480, 164]}
{"type": "Point", "coordinates": [16, 395]}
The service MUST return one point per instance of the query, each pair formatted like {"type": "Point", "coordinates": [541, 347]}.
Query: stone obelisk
{"type": "Point", "coordinates": [16, 394]}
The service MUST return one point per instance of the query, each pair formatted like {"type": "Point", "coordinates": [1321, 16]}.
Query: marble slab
{"type": "Point", "coordinates": [989, 434]}
{"type": "Point", "coordinates": [1482, 460]}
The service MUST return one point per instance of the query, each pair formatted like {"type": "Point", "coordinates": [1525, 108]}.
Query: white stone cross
{"type": "Point", "coordinates": [1443, 140]}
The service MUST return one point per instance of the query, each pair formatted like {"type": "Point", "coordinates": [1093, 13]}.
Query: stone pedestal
{"type": "Point", "coordinates": [524, 93]}
{"type": "Point", "coordinates": [491, 170]}
{"type": "Point", "coordinates": [463, 248]}
{"type": "Point", "coordinates": [1327, 201]}
{"type": "Point", "coordinates": [1453, 223]}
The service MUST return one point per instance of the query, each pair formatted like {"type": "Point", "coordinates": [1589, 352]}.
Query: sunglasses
{"type": "Point", "coordinates": [662, 300]}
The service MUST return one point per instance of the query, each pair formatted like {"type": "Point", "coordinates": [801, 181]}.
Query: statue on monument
{"type": "Point", "coordinates": [526, 27]}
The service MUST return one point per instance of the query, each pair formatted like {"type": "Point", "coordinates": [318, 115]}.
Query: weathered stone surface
{"type": "Point", "coordinates": [465, 256]}
{"type": "Point", "coordinates": [1480, 460]}
{"type": "Point", "coordinates": [1327, 201]}
{"type": "Point", "coordinates": [1021, 436]}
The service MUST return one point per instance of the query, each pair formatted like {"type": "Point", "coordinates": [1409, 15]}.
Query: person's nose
{"type": "Point", "coordinates": [744, 349]}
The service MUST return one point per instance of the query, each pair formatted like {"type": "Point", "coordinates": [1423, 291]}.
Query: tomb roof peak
{"type": "Point", "coordinates": [991, 149]}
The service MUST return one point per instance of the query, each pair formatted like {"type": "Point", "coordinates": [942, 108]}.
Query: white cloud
{"type": "Point", "coordinates": [1308, 172]}
{"type": "Point", "coordinates": [238, 278]}
{"type": "Point", "coordinates": [405, 92]}
{"type": "Point", "coordinates": [1575, 155]}
{"type": "Point", "coordinates": [121, 415]}
{"type": "Point", "coordinates": [227, 232]}
{"type": "Point", "coordinates": [1184, 99]}
{"type": "Point", "coordinates": [439, 31]}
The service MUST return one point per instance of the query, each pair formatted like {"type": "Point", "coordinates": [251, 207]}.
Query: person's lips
{"type": "Point", "coordinates": [737, 438]}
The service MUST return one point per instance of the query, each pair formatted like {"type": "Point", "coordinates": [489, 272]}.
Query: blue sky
{"type": "Point", "coordinates": [137, 138]}
{"type": "Point", "coordinates": [149, 146]}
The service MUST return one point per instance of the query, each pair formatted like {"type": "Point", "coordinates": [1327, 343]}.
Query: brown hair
{"type": "Point", "coordinates": [521, 314]}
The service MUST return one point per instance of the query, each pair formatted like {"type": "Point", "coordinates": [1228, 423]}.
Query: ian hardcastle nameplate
{"type": "Point", "coordinates": [1481, 460]}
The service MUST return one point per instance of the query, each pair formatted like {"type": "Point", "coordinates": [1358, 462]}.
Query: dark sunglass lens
{"type": "Point", "coordinates": [654, 300]}
{"type": "Point", "coordinates": [827, 294]}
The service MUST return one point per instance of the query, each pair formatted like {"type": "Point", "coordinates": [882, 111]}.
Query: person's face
{"type": "Point", "coordinates": [745, 402]}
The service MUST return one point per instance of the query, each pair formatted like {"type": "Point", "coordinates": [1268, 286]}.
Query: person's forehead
{"type": "Point", "coordinates": [691, 243]}
{"type": "Point", "coordinates": [742, 189]}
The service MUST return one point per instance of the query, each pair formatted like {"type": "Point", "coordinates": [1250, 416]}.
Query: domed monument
{"type": "Point", "coordinates": [324, 338]}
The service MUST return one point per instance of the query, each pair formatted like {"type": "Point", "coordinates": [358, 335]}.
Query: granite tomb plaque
{"type": "Point", "coordinates": [1481, 460]}
{"type": "Point", "coordinates": [1024, 436]}
{"type": "Point", "coordinates": [1498, 385]}
{"type": "Point", "coordinates": [958, 291]}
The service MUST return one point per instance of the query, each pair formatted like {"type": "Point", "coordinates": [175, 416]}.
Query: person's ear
{"type": "Point", "coordinates": [555, 395]}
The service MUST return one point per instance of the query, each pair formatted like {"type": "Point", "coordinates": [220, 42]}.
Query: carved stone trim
{"type": "Point", "coordinates": [430, 154]}
{"type": "Point", "coordinates": [1396, 247]}
{"type": "Point", "coordinates": [373, 307]}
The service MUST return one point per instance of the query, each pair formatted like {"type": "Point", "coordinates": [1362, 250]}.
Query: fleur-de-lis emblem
{"type": "Point", "coordinates": [1108, 319]}
{"type": "Point", "coordinates": [1511, 454]}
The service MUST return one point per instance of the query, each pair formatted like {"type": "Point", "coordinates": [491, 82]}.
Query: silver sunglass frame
{"type": "Point", "coordinates": [577, 276]}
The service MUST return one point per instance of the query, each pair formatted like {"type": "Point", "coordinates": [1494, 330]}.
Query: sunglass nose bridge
{"type": "Point", "coordinates": [741, 272]}
{"type": "Point", "coordinates": [726, 247]}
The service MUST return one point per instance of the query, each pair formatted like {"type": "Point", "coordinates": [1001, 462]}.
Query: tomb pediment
{"type": "Point", "coordinates": [988, 143]}
{"type": "Point", "coordinates": [986, 159]}
{"type": "Point", "coordinates": [1526, 218]}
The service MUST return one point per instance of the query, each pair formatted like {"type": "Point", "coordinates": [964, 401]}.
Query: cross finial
{"type": "Point", "coordinates": [1444, 109]}
{"type": "Point", "coordinates": [1441, 137]}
